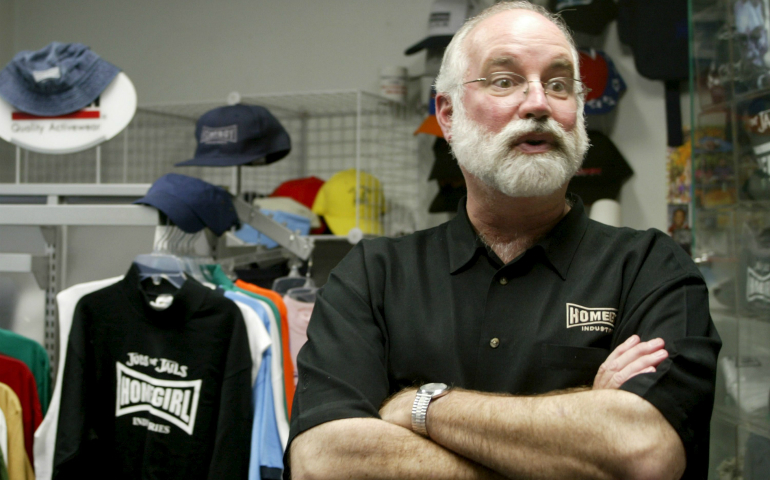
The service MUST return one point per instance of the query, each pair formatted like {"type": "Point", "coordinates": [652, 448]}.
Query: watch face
{"type": "Point", "coordinates": [434, 388]}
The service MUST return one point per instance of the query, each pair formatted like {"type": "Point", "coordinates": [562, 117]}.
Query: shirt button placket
{"type": "Point", "coordinates": [503, 281]}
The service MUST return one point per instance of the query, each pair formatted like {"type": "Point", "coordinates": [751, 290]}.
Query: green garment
{"type": "Point", "coordinates": [217, 276]}
{"type": "Point", "coordinates": [35, 357]}
{"type": "Point", "coordinates": [3, 470]}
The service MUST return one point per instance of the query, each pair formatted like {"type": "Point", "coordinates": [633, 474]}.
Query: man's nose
{"type": "Point", "coordinates": [535, 104]}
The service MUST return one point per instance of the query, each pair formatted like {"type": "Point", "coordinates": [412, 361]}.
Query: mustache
{"type": "Point", "coordinates": [512, 132]}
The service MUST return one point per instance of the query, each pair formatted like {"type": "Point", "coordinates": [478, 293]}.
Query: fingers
{"type": "Point", "coordinates": [629, 359]}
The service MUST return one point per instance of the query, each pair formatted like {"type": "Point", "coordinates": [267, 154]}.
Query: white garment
{"type": "Point", "coordinates": [45, 435]}
{"type": "Point", "coordinates": [259, 339]}
{"type": "Point", "coordinates": [4, 438]}
{"type": "Point", "coordinates": [276, 370]}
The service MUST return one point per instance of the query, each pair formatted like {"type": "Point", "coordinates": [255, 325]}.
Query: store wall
{"type": "Point", "coordinates": [192, 50]}
{"type": "Point", "coordinates": [6, 31]}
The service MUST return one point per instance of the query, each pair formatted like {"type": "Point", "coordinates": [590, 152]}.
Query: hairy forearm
{"type": "Point", "coordinates": [589, 434]}
{"type": "Point", "coordinates": [373, 449]}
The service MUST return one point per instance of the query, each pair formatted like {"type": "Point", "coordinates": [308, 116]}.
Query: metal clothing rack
{"type": "Point", "coordinates": [56, 207]}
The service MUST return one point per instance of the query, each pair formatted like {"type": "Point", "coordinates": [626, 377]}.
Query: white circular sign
{"type": "Point", "coordinates": [76, 131]}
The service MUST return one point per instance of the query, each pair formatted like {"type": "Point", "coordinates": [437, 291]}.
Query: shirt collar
{"type": "Point", "coordinates": [188, 299]}
{"type": "Point", "coordinates": [559, 245]}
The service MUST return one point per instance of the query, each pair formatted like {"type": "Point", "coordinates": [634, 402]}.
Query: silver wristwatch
{"type": "Point", "coordinates": [425, 394]}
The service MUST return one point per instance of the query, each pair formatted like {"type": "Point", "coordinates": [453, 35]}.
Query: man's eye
{"type": "Point", "coordinates": [557, 86]}
{"type": "Point", "coordinates": [503, 83]}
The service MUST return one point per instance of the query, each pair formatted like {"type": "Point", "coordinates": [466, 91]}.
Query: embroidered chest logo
{"type": "Point", "coordinates": [175, 401]}
{"type": "Point", "coordinates": [757, 286]}
{"type": "Point", "coordinates": [591, 319]}
{"type": "Point", "coordinates": [220, 135]}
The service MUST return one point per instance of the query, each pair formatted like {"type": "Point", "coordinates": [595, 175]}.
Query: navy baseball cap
{"type": "Point", "coordinates": [192, 204]}
{"type": "Point", "coordinates": [587, 16]}
{"type": "Point", "coordinates": [446, 18]}
{"type": "Point", "coordinates": [61, 78]}
{"type": "Point", "coordinates": [239, 135]}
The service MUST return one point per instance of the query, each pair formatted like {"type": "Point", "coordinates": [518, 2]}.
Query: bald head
{"type": "Point", "coordinates": [528, 25]}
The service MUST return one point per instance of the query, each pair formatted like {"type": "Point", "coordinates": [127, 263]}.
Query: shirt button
{"type": "Point", "coordinates": [494, 343]}
{"type": "Point", "coordinates": [503, 281]}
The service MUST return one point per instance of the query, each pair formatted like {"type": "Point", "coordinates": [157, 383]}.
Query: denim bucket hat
{"type": "Point", "coordinates": [192, 204]}
{"type": "Point", "coordinates": [238, 135]}
{"type": "Point", "coordinates": [61, 78]}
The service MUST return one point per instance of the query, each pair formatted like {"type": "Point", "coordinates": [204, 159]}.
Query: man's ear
{"type": "Point", "coordinates": [444, 115]}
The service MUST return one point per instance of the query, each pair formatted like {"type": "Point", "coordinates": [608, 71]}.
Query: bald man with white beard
{"type": "Point", "coordinates": [520, 339]}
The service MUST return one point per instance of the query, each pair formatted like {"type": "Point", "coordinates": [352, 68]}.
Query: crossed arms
{"type": "Point", "coordinates": [593, 433]}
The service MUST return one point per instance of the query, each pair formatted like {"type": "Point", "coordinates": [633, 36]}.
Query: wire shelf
{"type": "Point", "coordinates": [330, 132]}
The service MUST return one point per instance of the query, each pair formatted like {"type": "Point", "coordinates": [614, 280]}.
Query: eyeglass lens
{"type": "Point", "coordinates": [561, 92]}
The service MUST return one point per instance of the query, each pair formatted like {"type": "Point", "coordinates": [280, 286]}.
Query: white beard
{"type": "Point", "coordinates": [491, 158]}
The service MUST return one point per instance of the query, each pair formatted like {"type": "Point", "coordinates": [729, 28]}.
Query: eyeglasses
{"type": "Point", "coordinates": [562, 92]}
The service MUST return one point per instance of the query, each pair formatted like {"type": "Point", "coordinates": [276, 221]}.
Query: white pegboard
{"type": "Point", "coordinates": [330, 132]}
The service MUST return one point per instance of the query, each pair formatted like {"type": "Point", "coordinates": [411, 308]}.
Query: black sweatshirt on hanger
{"type": "Point", "coordinates": [151, 394]}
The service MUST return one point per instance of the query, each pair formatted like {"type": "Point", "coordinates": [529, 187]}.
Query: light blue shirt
{"type": "Point", "coordinates": [266, 458]}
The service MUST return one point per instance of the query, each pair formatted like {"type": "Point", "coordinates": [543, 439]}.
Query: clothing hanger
{"type": "Point", "coordinates": [161, 264]}
{"type": "Point", "coordinates": [307, 292]}
{"type": "Point", "coordinates": [281, 285]}
{"type": "Point", "coordinates": [303, 294]}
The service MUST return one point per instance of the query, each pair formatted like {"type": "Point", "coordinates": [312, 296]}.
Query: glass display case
{"type": "Point", "coordinates": [730, 135]}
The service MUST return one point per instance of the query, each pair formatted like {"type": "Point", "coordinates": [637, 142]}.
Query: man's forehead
{"type": "Point", "coordinates": [515, 27]}
{"type": "Point", "coordinates": [561, 62]}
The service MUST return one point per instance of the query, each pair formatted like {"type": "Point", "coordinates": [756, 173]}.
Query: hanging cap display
{"type": "Point", "coordinates": [445, 166]}
{"type": "Point", "coordinates": [603, 173]}
{"type": "Point", "coordinates": [430, 124]}
{"type": "Point", "coordinates": [336, 202]}
{"type": "Point", "coordinates": [60, 78]}
{"type": "Point", "coordinates": [587, 16]}
{"type": "Point", "coordinates": [192, 204]}
{"type": "Point", "coordinates": [446, 18]}
{"type": "Point", "coordinates": [238, 135]}
{"type": "Point", "coordinates": [598, 72]}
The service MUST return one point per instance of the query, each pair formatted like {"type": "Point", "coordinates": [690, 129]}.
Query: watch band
{"type": "Point", "coordinates": [422, 400]}
{"type": "Point", "coordinates": [420, 412]}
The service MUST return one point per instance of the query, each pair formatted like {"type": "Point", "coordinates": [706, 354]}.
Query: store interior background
{"type": "Point", "coordinates": [193, 51]}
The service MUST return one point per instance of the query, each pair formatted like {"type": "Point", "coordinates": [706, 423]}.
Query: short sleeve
{"type": "Point", "coordinates": [682, 388]}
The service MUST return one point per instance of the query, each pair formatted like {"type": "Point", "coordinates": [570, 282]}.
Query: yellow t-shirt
{"type": "Point", "coordinates": [18, 466]}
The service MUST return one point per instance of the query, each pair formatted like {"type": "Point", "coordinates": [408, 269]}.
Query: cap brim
{"type": "Point", "coordinates": [342, 225]}
{"type": "Point", "coordinates": [175, 209]}
{"type": "Point", "coordinates": [430, 126]}
{"type": "Point", "coordinates": [437, 41]}
{"type": "Point", "coordinates": [219, 161]}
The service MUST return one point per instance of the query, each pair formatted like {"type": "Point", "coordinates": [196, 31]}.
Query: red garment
{"type": "Point", "coordinates": [16, 374]}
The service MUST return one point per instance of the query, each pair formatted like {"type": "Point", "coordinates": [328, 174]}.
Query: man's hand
{"type": "Point", "coordinates": [398, 408]}
{"type": "Point", "coordinates": [629, 359]}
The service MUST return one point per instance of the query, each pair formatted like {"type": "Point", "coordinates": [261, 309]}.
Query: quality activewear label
{"type": "Point", "coordinates": [591, 319]}
{"type": "Point", "coordinates": [175, 401]}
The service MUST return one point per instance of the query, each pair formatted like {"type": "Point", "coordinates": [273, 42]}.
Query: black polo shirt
{"type": "Point", "coordinates": [438, 306]}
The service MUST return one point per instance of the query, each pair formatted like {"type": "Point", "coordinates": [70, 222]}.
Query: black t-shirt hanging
{"type": "Point", "coordinates": [155, 394]}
